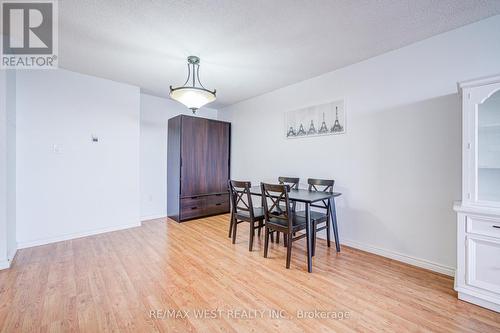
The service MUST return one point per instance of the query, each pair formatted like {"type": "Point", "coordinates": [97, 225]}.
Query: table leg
{"type": "Point", "coordinates": [309, 238]}
{"type": "Point", "coordinates": [333, 214]}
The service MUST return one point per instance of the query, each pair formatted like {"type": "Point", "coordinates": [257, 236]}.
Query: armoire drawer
{"type": "Point", "coordinates": [217, 199]}
{"type": "Point", "coordinates": [191, 212]}
{"type": "Point", "coordinates": [193, 207]}
{"type": "Point", "coordinates": [483, 227]}
{"type": "Point", "coordinates": [193, 202]}
{"type": "Point", "coordinates": [217, 204]}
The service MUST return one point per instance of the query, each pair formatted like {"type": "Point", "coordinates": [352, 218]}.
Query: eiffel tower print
{"type": "Point", "coordinates": [291, 132]}
{"type": "Point", "coordinates": [337, 128]}
{"type": "Point", "coordinates": [312, 129]}
{"type": "Point", "coordinates": [323, 129]}
{"type": "Point", "coordinates": [301, 131]}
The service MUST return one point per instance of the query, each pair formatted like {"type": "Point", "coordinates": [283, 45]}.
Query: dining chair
{"type": "Point", "coordinates": [293, 182]}
{"type": "Point", "coordinates": [322, 214]}
{"type": "Point", "coordinates": [285, 221]}
{"type": "Point", "coordinates": [243, 210]}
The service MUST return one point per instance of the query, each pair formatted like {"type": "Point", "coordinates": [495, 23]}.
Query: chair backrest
{"type": "Point", "coordinates": [324, 185]}
{"type": "Point", "coordinates": [292, 181]}
{"type": "Point", "coordinates": [275, 198]}
{"type": "Point", "coordinates": [241, 198]}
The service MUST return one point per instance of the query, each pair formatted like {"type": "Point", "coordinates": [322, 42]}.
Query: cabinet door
{"type": "Point", "coordinates": [488, 149]}
{"type": "Point", "coordinates": [194, 156]}
{"type": "Point", "coordinates": [205, 156]}
{"type": "Point", "coordinates": [483, 263]}
{"type": "Point", "coordinates": [481, 135]}
{"type": "Point", "coordinates": [218, 156]}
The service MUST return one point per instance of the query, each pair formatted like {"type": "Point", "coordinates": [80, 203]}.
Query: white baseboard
{"type": "Point", "coordinates": [4, 264]}
{"type": "Point", "coordinates": [12, 254]}
{"type": "Point", "coordinates": [23, 245]}
{"type": "Point", "coordinates": [478, 299]}
{"type": "Point", "coordinates": [153, 217]}
{"type": "Point", "coordinates": [435, 267]}
{"type": "Point", "coordinates": [423, 263]}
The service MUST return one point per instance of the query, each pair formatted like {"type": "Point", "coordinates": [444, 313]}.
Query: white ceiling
{"type": "Point", "coordinates": [247, 47]}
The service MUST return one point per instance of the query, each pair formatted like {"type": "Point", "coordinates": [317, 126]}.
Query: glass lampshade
{"type": "Point", "coordinates": [193, 98]}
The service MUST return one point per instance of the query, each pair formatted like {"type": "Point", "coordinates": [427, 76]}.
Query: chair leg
{"type": "Point", "coordinates": [260, 227]}
{"type": "Point", "coordinates": [285, 240]}
{"type": "Point", "coordinates": [266, 241]}
{"type": "Point", "coordinates": [288, 254]}
{"type": "Point", "coordinates": [328, 231]}
{"type": "Point", "coordinates": [277, 237]}
{"type": "Point", "coordinates": [231, 225]}
{"type": "Point", "coordinates": [252, 233]}
{"type": "Point", "coordinates": [235, 226]}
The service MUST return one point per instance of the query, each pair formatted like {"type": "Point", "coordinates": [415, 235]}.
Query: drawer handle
{"type": "Point", "coordinates": [218, 204]}
{"type": "Point", "coordinates": [496, 226]}
{"type": "Point", "coordinates": [194, 197]}
{"type": "Point", "coordinates": [218, 195]}
{"type": "Point", "coordinates": [194, 207]}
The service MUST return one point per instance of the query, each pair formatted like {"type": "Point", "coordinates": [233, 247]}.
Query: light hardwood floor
{"type": "Point", "coordinates": [112, 282]}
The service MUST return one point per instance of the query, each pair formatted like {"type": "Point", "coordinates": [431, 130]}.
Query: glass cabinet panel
{"type": "Point", "coordinates": [488, 149]}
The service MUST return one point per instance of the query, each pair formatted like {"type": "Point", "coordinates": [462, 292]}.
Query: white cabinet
{"type": "Point", "coordinates": [477, 278]}
{"type": "Point", "coordinates": [483, 272]}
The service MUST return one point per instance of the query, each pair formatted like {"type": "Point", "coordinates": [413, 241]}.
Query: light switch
{"type": "Point", "coordinates": [57, 149]}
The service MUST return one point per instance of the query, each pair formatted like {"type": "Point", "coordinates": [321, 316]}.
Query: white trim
{"type": "Point", "coordinates": [153, 217]}
{"type": "Point", "coordinates": [478, 82]}
{"type": "Point", "coordinates": [468, 295]}
{"type": "Point", "coordinates": [459, 207]}
{"type": "Point", "coordinates": [10, 256]}
{"type": "Point", "coordinates": [23, 245]}
{"type": "Point", "coordinates": [4, 264]}
{"type": "Point", "coordinates": [422, 263]}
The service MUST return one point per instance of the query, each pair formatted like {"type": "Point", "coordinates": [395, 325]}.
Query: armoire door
{"type": "Point", "coordinates": [218, 156]}
{"type": "Point", "coordinates": [205, 156]}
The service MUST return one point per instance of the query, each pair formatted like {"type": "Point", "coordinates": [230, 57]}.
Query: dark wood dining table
{"type": "Point", "coordinates": [308, 197]}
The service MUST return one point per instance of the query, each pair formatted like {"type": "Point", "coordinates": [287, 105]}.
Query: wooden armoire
{"type": "Point", "coordinates": [198, 167]}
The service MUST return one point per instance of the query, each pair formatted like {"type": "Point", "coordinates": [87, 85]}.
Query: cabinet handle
{"type": "Point", "coordinates": [194, 207]}
{"type": "Point", "coordinates": [496, 226]}
{"type": "Point", "coordinates": [218, 204]}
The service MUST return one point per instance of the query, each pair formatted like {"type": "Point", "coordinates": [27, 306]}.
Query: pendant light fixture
{"type": "Point", "coordinates": [192, 93]}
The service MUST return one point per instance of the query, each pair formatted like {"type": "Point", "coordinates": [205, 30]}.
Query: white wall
{"type": "Point", "coordinates": [67, 185]}
{"type": "Point", "coordinates": [11, 165]}
{"type": "Point", "coordinates": [3, 170]}
{"type": "Point", "coordinates": [398, 166]}
{"type": "Point", "coordinates": [7, 168]}
{"type": "Point", "coordinates": [155, 112]}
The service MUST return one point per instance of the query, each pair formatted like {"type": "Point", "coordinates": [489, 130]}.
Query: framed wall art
{"type": "Point", "coordinates": [323, 119]}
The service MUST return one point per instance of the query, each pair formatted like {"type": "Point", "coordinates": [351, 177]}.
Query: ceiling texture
{"type": "Point", "coordinates": [247, 48]}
